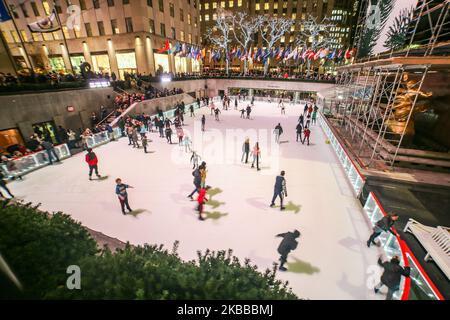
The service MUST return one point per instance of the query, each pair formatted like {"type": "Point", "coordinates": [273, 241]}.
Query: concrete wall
{"type": "Point", "coordinates": [21, 111]}
{"type": "Point", "coordinates": [197, 86]}
{"type": "Point", "coordinates": [149, 106]}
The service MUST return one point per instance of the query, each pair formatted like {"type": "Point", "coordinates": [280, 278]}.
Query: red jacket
{"type": "Point", "coordinates": [92, 161]}
{"type": "Point", "coordinates": [201, 196]}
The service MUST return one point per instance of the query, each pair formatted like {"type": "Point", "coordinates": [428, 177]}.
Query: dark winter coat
{"type": "Point", "coordinates": [280, 185]}
{"type": "Point", "coordinates": [392, 273]}
{"type": "Point", "coordinates": [288, 243]}
{"type": "Point", "coordinates": [385, 223]}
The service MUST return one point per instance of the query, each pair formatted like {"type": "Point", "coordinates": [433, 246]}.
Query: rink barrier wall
{"type": "Point", "coordinates": [36, 160]}
{"type": "Point", "coordinates": [391, 245]}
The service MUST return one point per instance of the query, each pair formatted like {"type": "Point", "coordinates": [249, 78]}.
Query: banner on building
{"type": "Point", "coordinates": [47, 24]}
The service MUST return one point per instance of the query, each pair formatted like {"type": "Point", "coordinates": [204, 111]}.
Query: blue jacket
{"type": "Point", "coordinates": [121, 189]}
{"type": "Point", "coordinates": [280, 184]}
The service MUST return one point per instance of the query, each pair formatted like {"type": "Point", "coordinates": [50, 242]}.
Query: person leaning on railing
{"type": "Point", "coordinates": [385, 224]}
{"type": "Point", "coordinates": [391, 276]}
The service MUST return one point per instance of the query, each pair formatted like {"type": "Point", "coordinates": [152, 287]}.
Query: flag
{"type": "Point", "coordinates": [287, 53]}
{"type": "Point", "coordinates": [4, 15]}
{"type": "Point", "coordinates": [266, 56]}
{"type": "Point", "coordinates": [292, 55]}
{"type": "Point", "coordinates": [165, 48]}
{"type": "Point", "coordinates": [244, 55]}
{"type": "Point", "coordinates": [238, 53]}
{"type": "Point", "coordinates": [332, 55]}
{"type": "Point", "coordinates": [233, 52]}
{"type": "Point", "coordinates": [324, 53]}
{"type": "Point", "coordinates": [339, 53]}
{"type": "Point", "coordinates": [275, 53]}
{"type": "Point", "coordinates": [280, 54]}
{"type": "Point", "coordinates": [47, 24]}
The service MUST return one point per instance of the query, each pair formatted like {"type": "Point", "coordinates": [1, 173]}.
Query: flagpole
{"type": "Point", "coordinates": [64, 36]}
{"type": "Point", "coordinates": [27, 57]}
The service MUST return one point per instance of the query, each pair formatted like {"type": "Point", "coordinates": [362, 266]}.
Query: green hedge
{"type": "Point", "coordinates": [39, 247]}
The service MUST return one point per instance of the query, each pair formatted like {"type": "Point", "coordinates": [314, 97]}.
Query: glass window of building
{"type": "Point", "coordinates": [15, 36]}
{"type": "Point", "coordinates": [77, 32]}
{"type": "Point", "coordinates": [161, 5]}
{"type": "Point", "coordinates": [182, 38]}
{"type": "Point", "coordinates": [34, 8]}
{"type": "Point", "coordinates": [195, 22]}
{"type": "Point", "coordinates": [46, 7]}
{"type": "Point", "coordinates": [24, 35]}
{"type": "Point", "coordinates": [283, 39]}
{"type": "Point", "coordinates": [100, 63]}
{"type": "Point", "coordinates": [294, 16]}
{"type": "Point", "coordinates": [65, 31]}
{"type": "Point", "coordinates": [129, 24]}
{"type": "Point", "coordinates": [190, 37]}
{"type": "Point", "coordinates": [257, 6]}
{"type": "Point", "coordinates": [101, 28]}
{"type": "Point", "coordinates": [181, 15]}
{"type": "Point", "coordinates": [206, 6]}
{"type": "Point", "coordinates": [82, 5]}
{"type": "Point", "coordinates": [76, 61]}
{"type": "Point", "coordinates": [189, 19]}
{"type": "Point", "coordinates": [87, 26]}
{"type": "Point", "coordinates": [151, 25]}
{"type": "Point", "coordinates": [162, 29]}
{"type": "Point", "coordinates": [172, 10]}
{"type": "Point", "coordinates": [126, 63]}
{"type": "Point", "coordinates": [214, 17]}
{"type": "Point", "coordinates": [206, 17]}
{"type": "Point", "coordinates": [36, 36]}
{"type": "Point", "coordinates": [110, 3]}
{"type": "Point", "coordinates": [275, 6]}
{"type": "Point", "coordinates": [231, 3]}
{"type": "Point", "coordinates": [161, 62]}
{"type": "Point", "coordinates": [56, 35]}
{"type": "Point", "coordinates": [173, 33]}
{"type": "Point", "coordinates": [24, 10]}
{"type": "Point", "coordinates": [8, 38]}
{"type": "Point", "coordinates": [266, 6]}
{"type": "Point", "coordinates": [214, 5]}
{"type": "Point", "coordinates": [57, 63]}
{"type": "Point", "coordinates": [126, 1]}
{"type": "Point", "coordinates": [239, 4]}
{"type": "Point", "coordinates": [114, 27]}
{"type": "Point", "coordinates": [12, 8]}
{"type": "Point", "coordinates": [150, 3]}
{"type": "Point", "coordinates": [96, 4]}
{"type": "Point", "coordinates": [222, 4]}
{"type": "Point", "coordinates": [48, 36]}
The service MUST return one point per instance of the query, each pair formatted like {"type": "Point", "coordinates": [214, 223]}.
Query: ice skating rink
{"type": "Point", "coordinates": [331, 261]}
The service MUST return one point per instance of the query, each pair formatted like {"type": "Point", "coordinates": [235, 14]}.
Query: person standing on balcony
{"type": "Point", "coordinates": [92, 161]}
{"type": "Point", "coordinates": [121, 191]}
{"type": "Point", "coordinates": [391, 276]}
{"type": "Point", "coordinates": [385, 224]}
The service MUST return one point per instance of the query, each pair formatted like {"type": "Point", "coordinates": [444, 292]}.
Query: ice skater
{"type": "Point", "coordinates": [280, 190]}
{"type": "Point", "coordinates": [203, 172]}
{"type": "Point", "coordinates": [242, 113]}
{"type": "Point", "coordinates": [92, 161]}
{"type": "Point", "coordinates": [278, 131]}
{"type": "Point", "coordinates": [121, 191]}
{"type": "Point", "coordinates": [197, 181]}
{"type": "Point", "coordinates": [283, 109]}
{"type": "Point", "coordinates": [385, 224]}
{"type": "Point", "coordinates": [187, 142]}
{"type": "Point", "coordinates": [249, 110]}
{"type": "Point", "coordinates": [288, 244]}
{"type": "Point", "coordinates": [201, 199]}
{"type": "Point", "coordinates": [299, 130]}
{"type": "Point", "coordinates": [245, 150]}
{"type": "Point", "coordinates": [216, 114]}
{"type": "Point", "coordinates": [169, 134]}
{"type": "Point", "coordinates": [180, 134]}
{"type": "Point", "coordinates": [144, 141]}
{"type": "Point", "coordinates": [307, 134]}
{"type": "Point", "coordinates": [256, 153]}
{"type": "Point", "coordinates": [314, 117]}
{"type": "Point", "coordinates": [4, 187]}
{"type": "Point", "coordinates": [203, 122]}
{"type": "Point", "coordinates": [135, 138]}
{"type": "Point", "coordinates": [300, 119]}
{"type": "Point", "coordinates": [235, 104]}
{"type": "Point", "coordinates": [391, 276]}
{"type": "Point", "coordinates": [191, 109]}
{"type": "Point", "coordinates": [195, 158]}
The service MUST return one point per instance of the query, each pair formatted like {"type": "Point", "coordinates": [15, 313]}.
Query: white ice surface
{"type": "Point", "coordinates": [331, 261]}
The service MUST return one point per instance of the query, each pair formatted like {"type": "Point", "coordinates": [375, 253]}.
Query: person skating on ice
{"type": "Point", "coordinates": [135, 138]}
{"type": "Point", "coordinates": [279, 190]}
{"type": "Point", "coordinates": [3, 186]}
{"type": "Point", "coordinates": [203, 172]}
{"type": "Point", "coordinates": [307, 134]}
{"type": "Point", "coordinates": [288, 244]}
{"type": "Point", "coordinates": [299, 130]}
{"type": "Point", "coordinates": [180, 135]}
{"type": "Point", "coordinates": [278, 131]}
{"type": "Point", "coordinates": [169, 134]}
{"type": "Point", "coordinates": [191, 109]}
{"type": "Point", "coordinates": [203, 122]}
{"type": "Point", "coordinates": [144, 143]}
{"type": "Point", "coordinates": [242, 113]}
{"type": "Point", "coordinates": [216, 114]}
{"type": "Point", "coordinates": [256, 154]}
{"type": "Point", "coordinates": [235, 104]}
{"type": "Point", "coordinates": [283, 109]}
{"type": "Point", "coordinates": [391, 276]}
{"type": "Point", "coordinates": [92, 161]}
{"type": "Point", "coordinates": [301, 119]}
{"type": "Point", "coordinates": [305, 109]}
{"type": "Point", "coordinates": [201, 199]}
{"type": "Point", "coordinates": [195, 158]}
{"type": "Point", "coordinates": [187, 142]}
{"type": "Point", "coordinates": [245, 150]}
{"type": "Point", "coordinates": [385, 224]}
{"type": "Point", "coordinates": [212, 108]}
{"type": "Point", "coordinates": [249, 110]}
{"type": "Point", "coordinates": [121, 191]}
{"type": "Point", "coordinates": [197, 181]}
{"type": "Point", "coordinates": [314, 117]}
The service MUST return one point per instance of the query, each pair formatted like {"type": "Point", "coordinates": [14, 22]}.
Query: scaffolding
{"type": "Point", "coordinates": [371, 87]}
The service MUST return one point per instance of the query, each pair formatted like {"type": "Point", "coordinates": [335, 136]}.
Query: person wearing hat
{"type": "Point", "coordinates": [391, 276]}
{"type": "Point", "coordinates": [288, 244]}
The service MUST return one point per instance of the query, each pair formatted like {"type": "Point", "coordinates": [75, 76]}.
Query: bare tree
{"type": "Point", "coordinates": [315, 35]}
{"type": "Point", "coordinates": [272, 29]}
{"type": "Point", "coordinates": [219, 35]}
{"type": "Point", "coordinates": [244, 28]}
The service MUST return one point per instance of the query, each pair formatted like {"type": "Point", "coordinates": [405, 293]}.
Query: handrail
{"type": "Point", "coordinates": [105, 118]}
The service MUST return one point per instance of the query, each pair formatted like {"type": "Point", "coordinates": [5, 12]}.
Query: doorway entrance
{"type": "Point", "coordinates": [46, 131]}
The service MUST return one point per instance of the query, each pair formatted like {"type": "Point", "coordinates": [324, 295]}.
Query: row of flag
{"type": "Point", "coordinates": [282, 54]}
{"type": "Point", "coordinates": [183, 50]}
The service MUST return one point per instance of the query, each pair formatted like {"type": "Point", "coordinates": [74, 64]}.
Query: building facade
{"type": "Point", "coordinates": [111, 35]}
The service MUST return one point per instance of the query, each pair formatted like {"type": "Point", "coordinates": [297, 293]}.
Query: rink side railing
{"type": "Point", "coordinates": [390, 244]}
{"type": "Point", "coordinates": [28, 163]}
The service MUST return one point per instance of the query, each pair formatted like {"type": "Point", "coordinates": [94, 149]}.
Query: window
{"type": "Point", "coordinates": [129, 25]}
{"type": "Point", "coordinates": [214, 5]}
{"type": "Point", "coordinates": [58, 9]}
{"type": "Point", "coordinates": [151, 26]}
{"type": "Point", "coordinates": [161, 5]}
{"type": "Point", "coordinates": [172, 10]}
{"type": "Point", "coordinates": [87, 26]}
{"type": "Point", "coordinates": [46, 7]}
{"type": "Point", "coordinates": [206, 17]}
{"type": "Point", "coordinates": [189, 19]}
{"type": "Point", "coordinates": [257, 7]}
{"type": "Point", "coordinates": [13, 10]}
{"type": "Point", "coordinates": [214, 17]}
{"type": "Point", "coordinates": [48, 36]}
{"type": "Point", "coordinates": [266, 6]}
{"type": "Point", "coordinates": [77, 32]}
{"type": "Point", "coordinates": [56, 35]}
{"type": "Point", "coordinates": [190, 37]}
{"type": "Point", "coordinates": [24, 35]}
{"type": "Point", "coordinates": [294, 16]}
{"type": "Point", "coordinates": [126, 2]}
{"type": "Point", "coordinates": [65, 31]}
{"type": "Point", "coordinates": [101, 28]}
{"type": "Point", "coordinates": [231, 3]}
{"type": "Point", "coordinates": [110, 3]}
{"type": "Point", "coordinates": [82, 5]}
{"type": "Point", "coordinates": [239, 3]}
{"type": "Point", "coordinates": [150, 3]}
{"type": "Point", "coordinates": [162, 28]}
{"type": "Point", "coordinates": [206, 6]}
{"type": "Point", "coordinates": [173, 35]}
{"type": "Point", "coordinates": [24, 10]}
{"type": "Point", "coordinates": [181, 15]}
{"type": "Point", "coordinates": [115, 29]}
{"type": "Point", "coordinates": [36, 36]}
{"type": "Point", "coordinates": [222, 4]}
{"type": "Point", "coordinates": [35, 9]}
{"type": "Point", "coordinates": [195, 22]}
{"type": "Point", "coordinates": [182, 38]}
{"type": "Point", "coordinates": [14, 36]}
{"type": "Point", "coordinates": [96, 4]}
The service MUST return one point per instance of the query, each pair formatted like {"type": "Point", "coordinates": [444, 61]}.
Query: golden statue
{"type": "Point", "coordinates": [402, 105]}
